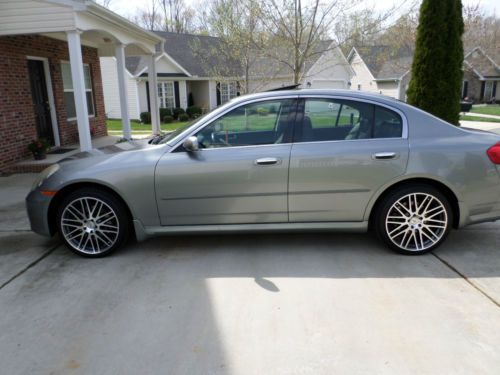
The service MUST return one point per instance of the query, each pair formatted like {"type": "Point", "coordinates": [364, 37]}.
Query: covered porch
{"type": "Point", "coordinates": [51, 80]}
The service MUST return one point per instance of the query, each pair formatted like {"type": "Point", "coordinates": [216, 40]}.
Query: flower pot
{"type": "Point", "coordinates": [39, 155]}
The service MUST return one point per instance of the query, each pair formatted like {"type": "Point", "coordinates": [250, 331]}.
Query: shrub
{"type": "Point", "coordinates": [145, 117]}
{"type": "Point", "coordinates": [262, 111]}
{"type": "Point", "coordinates": [165, 112]}
{"type": "Point", "coordinates": [436, 74]}
{"type": "Point", "coordinates": [176, 112]}
{"type": "Point", "coordinates": [39, 146]}
{"type": "Point", "coordinates": [168, 119]}
{"type": "Point", "coordinates": [193, 111]}
{"type": "Point", "coordinates": [183, 117]}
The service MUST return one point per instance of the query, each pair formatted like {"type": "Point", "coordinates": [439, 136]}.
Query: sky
{"type": "Point", "coordinates": [128, 7]}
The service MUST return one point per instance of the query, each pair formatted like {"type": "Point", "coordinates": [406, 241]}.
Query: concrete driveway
{"type": "Point", "coordinates": [259, 304]}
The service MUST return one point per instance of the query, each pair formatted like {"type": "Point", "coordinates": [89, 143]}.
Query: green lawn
{"type": "Point", "coordinates": [479, 119]}
{"type": "Point", "coordinates": [491, 109]}
{"type": "Point", "coordinates": [137, 127]}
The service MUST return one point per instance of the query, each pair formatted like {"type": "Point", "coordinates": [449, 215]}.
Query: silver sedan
{"type": "Point", "coordinates": [303, 160]}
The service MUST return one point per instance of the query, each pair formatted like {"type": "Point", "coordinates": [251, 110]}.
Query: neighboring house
{"type": "Point", "coordinates": [327, 68]}
{"type": "Point", "coordinates": [50, 76]}
{"type": "Point", "coordinates": [184, 79]}
{"type": "Point", "coordinates": [481, 77]}
{"type": "Point", "coordinates": [188, 75]}
{"type": "Point", "coordinates": [331, 70]}
{"type": "Point", "coordinates": [380, 69]}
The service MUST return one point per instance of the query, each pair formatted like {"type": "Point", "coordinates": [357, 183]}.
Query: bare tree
{"type": "Point", "coordinates": [149, 16]}
{"type": "Point", "coordinates": [104, 3]}
{"type": "Point", "coordinates": [177, 16]}
{"type": "Point", "coordinates": [481, 30]}
{"type": "Point", "coordinates": [297, 30]}
{"type": "Point", "coordinates": [237, 55]}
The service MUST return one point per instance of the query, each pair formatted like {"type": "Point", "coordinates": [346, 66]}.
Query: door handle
{"type": "Point", "coordinates": [267, 161]}
{"type": "Point", "coordinates": [384, 155]}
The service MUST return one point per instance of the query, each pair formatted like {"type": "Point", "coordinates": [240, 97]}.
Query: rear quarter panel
{"type": "Point", "coordinates": [457, 158]}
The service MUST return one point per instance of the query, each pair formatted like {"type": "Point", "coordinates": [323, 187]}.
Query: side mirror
{"type": "Point", "coordinates": [190, 144]}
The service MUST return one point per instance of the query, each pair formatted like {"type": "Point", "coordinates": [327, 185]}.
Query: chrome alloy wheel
{"type": "Point", "coordinates": [89, 225]}
{"type": "Point", "coordinates": [416, 222]}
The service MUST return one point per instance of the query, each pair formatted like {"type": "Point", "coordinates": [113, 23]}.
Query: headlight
{"type": "Point", "coordinates": [46, 173]}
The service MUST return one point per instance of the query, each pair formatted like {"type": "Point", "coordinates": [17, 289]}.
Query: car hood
{"type": "Point", "coordinates": [117, 148]}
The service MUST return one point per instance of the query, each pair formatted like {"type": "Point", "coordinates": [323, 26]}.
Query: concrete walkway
{"type": "Point", "coordinates": [482, 115]}
{"type": "Point", "coordinates": [493, 127]}
{"type": "Point", "coordinates": [260, 304]}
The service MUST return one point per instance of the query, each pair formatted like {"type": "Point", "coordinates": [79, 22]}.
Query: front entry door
{"type": "Point", "coordinates": [40, 98]}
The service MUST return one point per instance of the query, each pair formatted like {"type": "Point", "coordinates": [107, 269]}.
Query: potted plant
{"type": "Point", "coordinates": [39, 148]}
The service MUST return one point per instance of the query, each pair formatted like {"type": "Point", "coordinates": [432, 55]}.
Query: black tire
{"type": "Point", "coordinates": [101, 231]}
{"type": "Point", "coordinates": [424, 230]}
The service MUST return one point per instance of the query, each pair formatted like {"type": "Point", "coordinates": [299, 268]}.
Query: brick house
{"type": "Point", "coordinates": [481, 77]}
{"type": "Point", "coordinates": [50, 75]}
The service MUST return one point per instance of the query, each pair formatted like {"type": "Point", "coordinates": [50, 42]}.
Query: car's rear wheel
{"type": "Point", "coordinates": [414, 219]}
{"type": "Point", "coordinates": [92, 222]}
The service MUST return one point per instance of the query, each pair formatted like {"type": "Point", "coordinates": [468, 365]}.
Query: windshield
{"type": "Point", "coordinates": [179, 130]}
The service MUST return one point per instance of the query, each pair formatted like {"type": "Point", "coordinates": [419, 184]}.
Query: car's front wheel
{"type": "Point", "coordinates": [414, 219]}
{"type": "Point", "coordinates": [92, 222]}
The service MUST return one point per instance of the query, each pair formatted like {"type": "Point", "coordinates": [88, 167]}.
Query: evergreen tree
{"type": "Point", "coordinates": [436, 73]}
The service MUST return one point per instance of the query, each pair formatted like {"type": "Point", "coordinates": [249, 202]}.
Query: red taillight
{"type": "Point", "coordinates": [494, 153]}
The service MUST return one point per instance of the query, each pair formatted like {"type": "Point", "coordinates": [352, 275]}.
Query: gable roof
{"type": "Point", "coordinates": [481, 64]}
{"type": "Point", "coordinates": [199, 54]}
{"type": "Point", "coordinates": [384, 62]}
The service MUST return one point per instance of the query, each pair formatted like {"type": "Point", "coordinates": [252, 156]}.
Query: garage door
{"type": "Point", "coordinates": [327, 84]}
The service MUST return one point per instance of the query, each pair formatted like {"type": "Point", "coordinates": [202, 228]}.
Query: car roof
{"type": "Point", "coordinates": [312, 92]}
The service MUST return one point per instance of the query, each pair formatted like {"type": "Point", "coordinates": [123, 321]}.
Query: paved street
{"type": "Point", "coordinates": [258, 304]}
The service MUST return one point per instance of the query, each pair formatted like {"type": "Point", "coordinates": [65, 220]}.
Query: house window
{"type": "Point", "coordinates": [465, 88]}
{"type": "Point", "coordinates": [488, 90]}
{"type": "Point", "coordinates": [228, 91]}
{"type": "Point", "coordinates": [69, 93]}
{"type": "Point", "coordinates": [166, 94]}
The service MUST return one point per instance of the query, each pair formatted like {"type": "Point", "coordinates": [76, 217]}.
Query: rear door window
{"type": "Point", "coordinates": [338, 119]}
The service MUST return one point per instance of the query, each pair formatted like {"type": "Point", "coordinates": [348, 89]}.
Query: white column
{"type": "Point", "coordinates": [122, 88]}
{"type": "Point", "coordinates": [153, 94]}
{"type": "Point", "coordinates": [82, 114]}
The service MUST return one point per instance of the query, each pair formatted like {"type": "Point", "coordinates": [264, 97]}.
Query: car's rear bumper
{"type": "Point", "coordinates": [37, 206]}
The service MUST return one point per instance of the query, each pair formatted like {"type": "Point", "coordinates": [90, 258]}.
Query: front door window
{"type": "Point", "coordinates": [268, 122]}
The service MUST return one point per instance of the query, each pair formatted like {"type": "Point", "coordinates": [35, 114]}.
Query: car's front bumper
{"type": "Point", "coordinates": [37, 206]}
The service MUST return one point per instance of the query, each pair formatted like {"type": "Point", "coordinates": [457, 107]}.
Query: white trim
{"type": "Point", "coordinates": [363, 61]}
{"type": "Point", "coordinates": [50, 96]}
{"type": "Point", "coordinates": [474, 70]}
{"type": "Point", "coordinates": [336, 49]}
{"type": "Point", "coordinates": [484, 54]}
{"type": "Point", "coordinates": [166, 55]}
{"type": "Point", "coordinates": [175, 63]}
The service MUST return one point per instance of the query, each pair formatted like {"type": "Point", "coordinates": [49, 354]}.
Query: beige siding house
{"type": "Point", "coordinates": [380, 69]}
